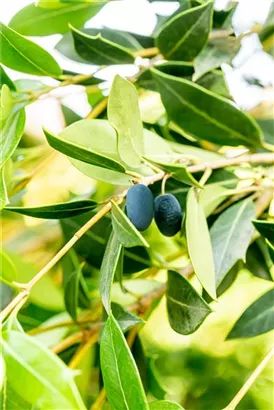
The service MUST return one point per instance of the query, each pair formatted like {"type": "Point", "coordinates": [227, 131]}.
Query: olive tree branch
{"type": "Point", "coordinates": [242, 392]}
{"type": "Point", "coordinates": [265, 158]}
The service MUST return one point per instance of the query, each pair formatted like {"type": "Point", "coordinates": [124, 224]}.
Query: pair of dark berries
{"type": "Point", "coordinates": [141, 208]}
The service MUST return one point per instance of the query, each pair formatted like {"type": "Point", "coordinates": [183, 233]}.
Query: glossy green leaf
{"type": "Point", "coordinates": [199, 244]}
{"type": "Point", "coordinates": [100, 51]}
{"type": "Point", "coordinates": [164, 405]}
{"type": "Point", "coordinates": [215, 82]}
{"type": "Point", "coordinates": [185, 35]}
{"type": "Point", "coordinates": [126, 232]}
{"type": "Point", "coordinates": [178, 172]}
{"type": "Point", "coordinates": [72, 278]}
{"type": "Point", "coordinates": [186, 308]}
{"type": "Point", "coordinates": [25, 56]}
{"type": "Point", "coordinates": [121, 378]}
{"type": "Point", "coordinates": [4, 199]}
{"type": "Point", "coordinates": [4, 79]}
{"type": "Point", "coordinates": [258, 260]}
{"type": "Point", "coordinates": [80, 153]}
{"type": "Point", "coordinates": [266, 229]}
{"type": "Point", "coordinates": [124, 116]}
{"type": "Point", "coordinates": [56, 211]}
{"type": "Point", "coordinates": [204, 115]}
{"type": "Point", "coordinates": [37, 21]}
{"type": "Point", "coordinates": [230, 236]}
{"type": "Point", "coordinates": [216, 53]}
{"type": "Point", "coordinates": [8, 270]}
{"type": "Point", "coordinates": [38, 375]}
{"type": "Point", "coordinates": [175, 68]}
{"type": "Point", "coordinates": [85, 133]}
{"type": "Point", "coordinates": [257, 319]}
{"type": "Point", "coordinates": [108, 268]}
{"type": "Point", "coordinates": [6, 102]}
{"type": "Point", "coordinates": [11, 132]}
{"type": "Point", "coordinates": [125, 319]}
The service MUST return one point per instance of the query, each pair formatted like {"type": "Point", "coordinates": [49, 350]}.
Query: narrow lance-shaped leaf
{"type": "Point", "coordinates": [98, 50]}
{"type": "Point", "coordinates": [205, 115]}
{"type": "Point", "coordinates": [37, 21]}
{"type": "Point", "coordinates": [257, 319]}
{"type": "Point", "coordinates": [184, 35]}
{"type": "Point", "coordinates": [199, 244]}
{"type": "Point", "coordinates": [186, 308]}
{"type": "Point", "coordinates": [230, 236]}
{"type": "Point", "coordinates": [126, 232]}
{"type": "Point", "coordinates": [82, 154]}
{"type": "Point", "coordinates": [47, 382]}
{"type": "Point", "coordinates": [56, 211]}
{"type": "Point", "coordinates": [85, 133]}
{"type": "Point", "coordinates": [11, 132]}
{"type": "Point", "coordinates": [266, 229]}
{"type": "Point", "coordinates": [124, 116]}
{"type": "Point", "coordinates": [108, 268]}
{"type": "Point", "coordinates": [178, 172]}
{"type": "Point", "coordinates": [23, 55]}
{"type": "Point", "coordinates": [121, 378]}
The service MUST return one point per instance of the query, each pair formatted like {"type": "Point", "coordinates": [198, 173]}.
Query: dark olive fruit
{"type": "Point", "coordinates": [168, 214]}
{"type": "Point", "coordinates": [140, 206]}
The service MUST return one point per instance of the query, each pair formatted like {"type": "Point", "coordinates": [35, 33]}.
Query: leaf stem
{"type": "Point", "coordinates": [242, 392]}
{"type": "Point", "coordinates": [98, 109]}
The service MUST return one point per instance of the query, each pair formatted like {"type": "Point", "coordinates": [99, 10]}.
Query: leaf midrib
{"type": "Point", "coordinates": [188, 32]}
{"type": "Point", "coordinates": [25, 57]}
{"type": "Point", "coordinates": [184, 305]}
{"type": "Point", "coordinates": [202, 113]}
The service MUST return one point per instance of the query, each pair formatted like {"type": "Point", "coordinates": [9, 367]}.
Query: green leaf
{"type": "Point", "coordinates": [258, 260]}
{"type": "Point", "coordinates": [85, 133]}
{"type": "Point", "coordinates": [56, 211]}
{"type": "Point", "coordinates": [100, 51]}
{"type": "Point", "coordinates": [270, 250]}
{"type": "Point", "coordinates": [124, 116]}
{"type": "Point", "coordinates": [121, 378]}
{"type": "Point", "coordinates": [72, 278]}
{"type": "Point", "coordinates": [10, 400]}
{"type": "Point", "coordinates": [4, 199]}
{"type": "Point", "coordinates": [36, 21]}
{"type": "Point", "coordinates": [126, 232]}
{"type": "Point", "coordinates": [215, 82]}
{"type": "Point", "coordinates": [185, 35]}
{"type": "Point", "coordinates": [216, 53]}
{"type": "Point", "coordinates": [38, 375]}
{"type": "Point", "coordinates": [6, 102]}
{"type": "Point", "coordinates": [8, 270]}
{"type": "Point", "coordinates": [211, 197]}
{"type": "Point", "coordinates": [11, 133]}
{"type": "Point", "coordinates": [4, 79]}
{"type": "Point", "coordinates": [164, 405]}
{"type": "Point", "coordinates": [80, 153]}
{"type": "Point", "coordinates": [175, 68]}
{"type": "Point", "coordinates": [25, 56]}
{"type": "Point", "coordinates": [199, 244]}
{"type": "Point", "coordinates": [154, 380]}
{"type": "Point", "coordinates": [204, 115]}
{"type": "Point", "coordinates": [178, 172]}
{"type": "Point", "coordinates": [267, 126]}
{"type": "Point", "coordinates": [125, 319]}
{"type": "Point", "coordinates": [230, 236]}
{"type": "Point", "coordinates": [108, 268]}
{"type": "Point", "coordinates": [266, 229]}
{"type": "Point", "coordinates": [186, 308]}
{"type": "Point", "coordinates": [257, 319]}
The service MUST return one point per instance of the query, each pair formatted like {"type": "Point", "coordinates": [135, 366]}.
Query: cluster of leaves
{"type": "Point", "coordinates": [195, 123]}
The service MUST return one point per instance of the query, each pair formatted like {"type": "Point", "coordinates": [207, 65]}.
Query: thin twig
{"type": "Point", "coordinates": [81, 352]}
{"type": "Point", "coordinates": [242, 392]}
{"type": "Point", "coordinates": [98, 109]}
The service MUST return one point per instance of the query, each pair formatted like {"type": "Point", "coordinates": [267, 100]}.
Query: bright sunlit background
{"type": "Point", "coordinates": [251, 62]}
